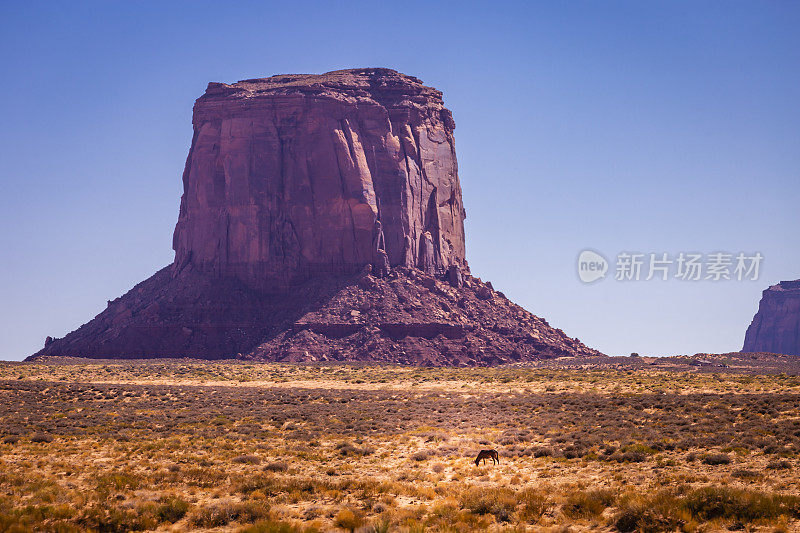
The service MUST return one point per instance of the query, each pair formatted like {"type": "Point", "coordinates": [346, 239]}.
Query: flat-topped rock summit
{"type": "Point", "coordinates": [384, 86]}
{"type": "Point", "coordinates": [321, 219]}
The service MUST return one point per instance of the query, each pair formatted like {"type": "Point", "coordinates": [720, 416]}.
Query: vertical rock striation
{"type": "Point", "coordinates": [776, 326]}
{"type": "Point", "coordinates": [321, 220]}
{"type": "Point", "coordinates": [297, 175]}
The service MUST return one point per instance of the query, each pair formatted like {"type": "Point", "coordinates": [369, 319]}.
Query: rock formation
{"type": "Point", "coordinates": [321, 219]}
{"type": "Point", "coordinates": [297, 175]}
{"type": "Point", "coordinates": [776, 326]}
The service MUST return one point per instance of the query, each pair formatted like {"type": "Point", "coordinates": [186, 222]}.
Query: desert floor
{"type": "Point", "coordinates": [187, 445]}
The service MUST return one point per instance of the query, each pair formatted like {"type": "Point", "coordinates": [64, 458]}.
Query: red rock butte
{"type": "Point", "coordinates": [321, 219]}
{"type": "Point", "coordinates": [776, 326]}
{"type": "Point", "coordinates": [295, 175]}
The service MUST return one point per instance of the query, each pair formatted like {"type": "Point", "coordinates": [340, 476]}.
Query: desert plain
{"type": "Point", "coordinates": [618, 444]}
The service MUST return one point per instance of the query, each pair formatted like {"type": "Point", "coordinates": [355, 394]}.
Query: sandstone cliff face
{"type": "Point", "coordinates": [321, 220]}
{"type": "Point", "coordinates": [776, 326]}
{"type": "Point", "coordinates": [295, 175]}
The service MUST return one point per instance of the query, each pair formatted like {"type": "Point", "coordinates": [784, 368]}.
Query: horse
{"type": "Point", "coordinates": [488, 454]}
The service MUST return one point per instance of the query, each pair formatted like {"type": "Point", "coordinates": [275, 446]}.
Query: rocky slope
{"type": "Point", "coordinates": [321, 220]}
{"type": "Point", "coordinates": [405, 317]}
{"type": "Point", "coordinates": [776, 326]}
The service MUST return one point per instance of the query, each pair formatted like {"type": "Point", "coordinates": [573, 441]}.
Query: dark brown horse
{"type": "Point", "coordinates": [488, 454]}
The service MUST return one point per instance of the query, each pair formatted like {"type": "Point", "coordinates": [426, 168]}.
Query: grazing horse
{"type": "Point", "coordinates": [487, 454]}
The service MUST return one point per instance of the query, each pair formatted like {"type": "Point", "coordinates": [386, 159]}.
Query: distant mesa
{"type": "Point", "coordinates": [776, 326]}
{"type": "Point", "coordinates": [321, 219]}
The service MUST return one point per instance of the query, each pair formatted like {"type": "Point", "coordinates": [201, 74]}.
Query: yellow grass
{"type": "Point", "coordinates": [179, 446]}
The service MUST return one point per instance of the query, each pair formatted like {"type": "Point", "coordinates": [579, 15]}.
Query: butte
{"type": "Point", "coordinates": [321, 220]}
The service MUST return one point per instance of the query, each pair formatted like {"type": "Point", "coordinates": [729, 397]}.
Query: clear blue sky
{"type": "Point", "coordinates": [617, 126]}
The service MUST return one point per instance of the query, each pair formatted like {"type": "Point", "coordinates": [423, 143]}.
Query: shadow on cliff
{"type": "Point", "coordinates": [194, 315]}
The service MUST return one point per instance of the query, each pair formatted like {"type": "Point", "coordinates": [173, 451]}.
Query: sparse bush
{"type": "Point", "coordinates": [745, 474]}
{"type": "Point", "coordinates": [246, 459]}
{"type": "Point", "coordinates": [348, 520]}
{"type": "Point", "coordinates": [116, 481]}
{"type": "Point", "coordinates": [276, 466]}
{"type": "Point", "coordinates": [667, 511]}
{"type": "Point", "coordinates": [109, 518]}
{"type": "Point", "coordinates": [498, 501]}
{"type": "Point", "coordinates": [221, 514]}
{"type": "Point", "coordinates": [628, 457]}
{"type": "Point", "coordinates": [542, 451]}
{"type": "Point", "coordinates": [41, 437]}
{"type": "Point", "coordinates": [709, 503]}
{"type": "Point", "coordinates": [779, 464]}
{"type": "Point", "coordinates": [171, 509]}
{"type": "Point", "coordinates": [588, 504]}
{"type": "Point", "coordinates": [660, 513]}
{"type": "Point", "coordinates": [534, 504]}
{"type": "Point", "coordinates": [716, 459]}
{"type": "Point", "coordinates": [272, 526]}
{"type": "Point", "coordinates": [347, 449]}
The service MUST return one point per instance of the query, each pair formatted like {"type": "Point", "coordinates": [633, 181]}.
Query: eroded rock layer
{"type": "Point", "coordinates": [776, 326]}
{"type": "Point", "coordinates": [406, 317]}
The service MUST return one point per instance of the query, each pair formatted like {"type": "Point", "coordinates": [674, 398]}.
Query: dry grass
{"type": "Point", "coordinates": [264, 447]}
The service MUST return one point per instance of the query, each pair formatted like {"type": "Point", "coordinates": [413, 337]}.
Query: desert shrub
{"type": "Point", "coordinates": [348, 519]}
{"type": "Point", "coordinates": [382, 526]}
{"type": "Point", "coordinates": [276, 466]}
{"type": "Point", "coordinates": [709, 503]}
{"type": "Point", "coordinates": [436, 437]}
{"type": "Point", "coordinates": [659, 513]}
{"type": "Point", "coordinates": [542, 451]}
{"type": "Point", "coordinates": [643, 448]}
{"type": "Point", "coordinates": [716, 459]}
{"type": "Point", "coordinates": [171, 509]}
{"type": "Point", "coordinates": [273, 526]}
{"type": "Point", "coordinates": [246, 459]}
{"type": "Point", "coordinates": [629, 456]}
{"type": "Point", "coordinates": [108, 518]}
{"type": "Point", "coordinates": [668, 510]}
{"type": "Point", "coordinates": [348, 449]}
{"type": "Point", "coordinates": [438, 468]}
{"type": "Point", "coordinates": [115, 481]}
{"type": "Point", "coordinates": [775, 449]}
{"type": "Point", "coordinates": [573, 452]}
{"type": "Point", "coordinates": [779, 464]}
{"type": "Point", "coordinates": [204, 477]}
{"type": "Point", "coordinates": [534, 504]}
{"type": "Point", "coordinates": [41, 437]}
{"type": "Point", "coordinates": [498, 501]}
{"type": "Point", "coordinates": [223, 513]}
{"type": "Point", "coordinates": [588, 504]}
{"type": "Point", "coordinates": [420, 455]}
{"type": "Point", "coordinates": [744, 474]}
{"type": "Point", "coordinates": [30, 517]}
